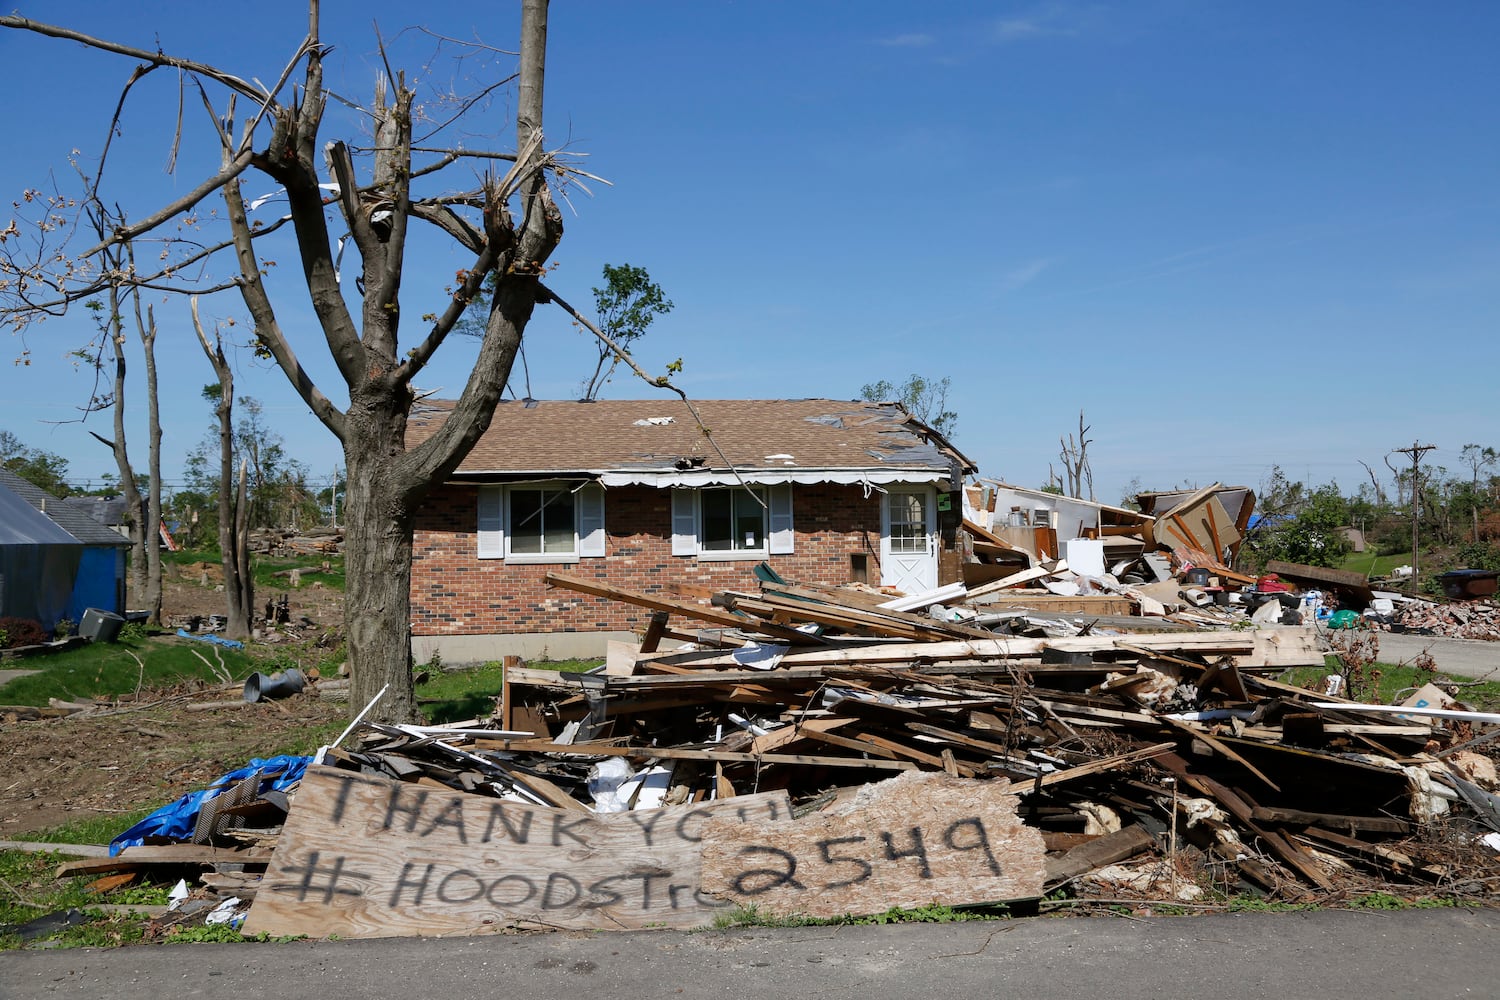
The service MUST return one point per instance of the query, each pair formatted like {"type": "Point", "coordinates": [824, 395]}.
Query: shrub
{"type": "Point", "coordinates": [22, 632]}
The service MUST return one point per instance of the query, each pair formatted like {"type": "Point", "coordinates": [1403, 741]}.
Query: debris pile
{"type": "Point", "coordinates": [1467, 620]}
{"type": "Point", "coordinates": [753, 767]}
{"type": "Point", "coordinates": [1172, 559]}
{"type": "Point", "coordinates": [287, 543]}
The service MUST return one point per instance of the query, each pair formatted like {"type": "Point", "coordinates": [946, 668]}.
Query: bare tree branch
{"type": "Point", "coordinates": [231, 170]}
{"type": "Point", "coordinates": [145, 55]}
{"type": "Point", "coordinates": [267, 329]}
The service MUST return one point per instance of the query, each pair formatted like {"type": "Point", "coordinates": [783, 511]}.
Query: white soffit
{"type": "Point", "coordinates": [773, 477]}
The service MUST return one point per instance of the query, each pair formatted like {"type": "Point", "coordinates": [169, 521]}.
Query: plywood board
{"type": "Point", "coordinates": [919, 839]}
{"type": "Point", "coordinates": [363, 856]}
{"type": "Point", "coordinates": [1086, 604]}
{"type": "Point", "coordinates": [1201, 523]}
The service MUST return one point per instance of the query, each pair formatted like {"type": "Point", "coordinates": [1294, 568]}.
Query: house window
{"type": "Point", "coordinates": [732, 522]}
{"type": "Point", "coordinates": [541, 523]}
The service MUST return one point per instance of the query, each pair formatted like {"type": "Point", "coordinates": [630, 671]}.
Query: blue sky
{"type": "Point", "coordinates": [1233, 234]}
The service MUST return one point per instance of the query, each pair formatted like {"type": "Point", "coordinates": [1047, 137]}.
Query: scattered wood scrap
{"type": "Point", "coordinates": [1067, 758]}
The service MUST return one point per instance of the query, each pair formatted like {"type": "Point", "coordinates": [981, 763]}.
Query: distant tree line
{"type": "Point", "coordinates": [1457, 516]}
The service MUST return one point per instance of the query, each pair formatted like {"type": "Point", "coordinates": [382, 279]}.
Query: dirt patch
{"type": "Point", "coordinates": [61, 770]}
{"type": "Point", "coordinates": [149, 753]}
{"type": "Point", "coordinates": [197, 590]}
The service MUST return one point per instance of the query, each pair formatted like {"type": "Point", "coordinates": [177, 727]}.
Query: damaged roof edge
{"type": "Point", "coordinates": [713, 477]}
{"type": "Point", "coordinates": [936, 438]}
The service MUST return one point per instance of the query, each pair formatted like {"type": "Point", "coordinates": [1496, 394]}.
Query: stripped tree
{"type": "Point", "coordinates": [282, 137]}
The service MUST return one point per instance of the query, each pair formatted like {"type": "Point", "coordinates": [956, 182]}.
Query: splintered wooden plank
{"type": "Point", "coordinates": [877, 619]}
{"type": "Point", "coordinates": [1291, 646]}
{"type": "Point", "coordinates": [1243, 810]}
{"type": "Point", "coordinates": [677, 753]}
{"type": "Point", "coordinates": [146, 856]}
{"type": "Point", "coordinates": [1330, 821]}
{"type": "Point", "coordinates": [1101, 851]}
{"type": "Point", "coordinates": [685, 608]}
{"type": "Point", "coordinates": [1100, 765]}
{"type": "Point", "coordinates": [362, 856]}
{"type": "Point", "coordinates": [920, 839]}
{"type": "Point", "coordinates": [778, 738]}
{"type": "Point", "coordinates": [1083, 604]}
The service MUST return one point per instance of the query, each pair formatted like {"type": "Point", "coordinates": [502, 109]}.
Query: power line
{"type": "Point", "coordinates": [1415, 452]}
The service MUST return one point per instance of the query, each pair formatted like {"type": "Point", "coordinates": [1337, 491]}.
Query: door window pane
{"type": "Point", "coordinates": [908, 522]}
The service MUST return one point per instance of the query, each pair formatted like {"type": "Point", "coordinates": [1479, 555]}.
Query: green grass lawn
{"type": "Point", "coordinates": [1372, 564]}
{"type": "Point", "coordinates": [265, 568]}
{"type": "Point", "coordinates": [1389, 684]}
{"type": "Point", "coordinates": [110, 669]}
{"type": "Point", "coordinates": [455, 695]}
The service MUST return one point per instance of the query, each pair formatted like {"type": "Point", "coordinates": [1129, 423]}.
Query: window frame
{"type": "Point", "coordinates": [495, 531]}
{"type": "Point", "coordinates": [777, 524]}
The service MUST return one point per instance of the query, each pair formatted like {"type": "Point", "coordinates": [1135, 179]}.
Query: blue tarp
{"type": "Point", "coordinates": [177, 821]}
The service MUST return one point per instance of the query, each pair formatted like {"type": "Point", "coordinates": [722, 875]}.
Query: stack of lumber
{"type": "Point", "coordinates": [286, 542]}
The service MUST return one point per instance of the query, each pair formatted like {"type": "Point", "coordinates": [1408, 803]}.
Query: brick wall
{"type": "Point", "coordinates": [453, 592]}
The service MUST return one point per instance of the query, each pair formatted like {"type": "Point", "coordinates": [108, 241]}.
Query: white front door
{"type": "Point", "coordinates": [908, 539]}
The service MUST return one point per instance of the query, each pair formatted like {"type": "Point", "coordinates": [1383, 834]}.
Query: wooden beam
{"type": "Point", "coordinates": [675, 753]}
{"type": "Point", "coordinates": [655, 630]}
{"type": "Point", "coordinates": [1096, 766]}
{"type": "Point", "coordinates": [687, 609]}
{"type": "Point", "coordinates": [1290, 855]}
{"type": "Point", "coordinates": [1298, 817]}
{"type": "Point", "coordinates": [1220, 747]}
{"type": "Point", "coordinates": [1105, 850]}
{"type": "Point", "coordinates": [165, 854]}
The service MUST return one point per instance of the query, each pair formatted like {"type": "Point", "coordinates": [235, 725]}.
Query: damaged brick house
{"type": "Point", "coordinates": [633, 494]}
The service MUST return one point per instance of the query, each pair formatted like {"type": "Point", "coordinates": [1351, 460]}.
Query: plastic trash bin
{"type": "Point", "coordinates": [100, 626]}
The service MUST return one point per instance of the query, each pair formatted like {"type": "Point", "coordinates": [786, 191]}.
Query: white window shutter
{"type": "Point", "coordinates": [491, 522]}
{"type": "Point", "coordinates": [684, 522]}
{"type": "Point", "coordinates": [782, 536]}
{"type": "Point", "coordinates": [591, 538]}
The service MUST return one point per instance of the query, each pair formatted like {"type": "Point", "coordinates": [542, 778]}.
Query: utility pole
{"type": "Point", "coordinates": [1415, 452]}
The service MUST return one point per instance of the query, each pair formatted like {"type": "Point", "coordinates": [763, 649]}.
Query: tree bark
{"type": "Point", "coordinates": [152, 595]}
{"type": "Point", "coordinates": [377, 572]}
{"type": "Point", "coordinates": [234, 539]}
{"type": "Point", "coordinates": [135, 514]}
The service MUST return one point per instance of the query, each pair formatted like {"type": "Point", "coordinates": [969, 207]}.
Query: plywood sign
{"type": "Point", "coordinates": [915, 840]}
{"type": "Point", "coordinates": [364, 856]}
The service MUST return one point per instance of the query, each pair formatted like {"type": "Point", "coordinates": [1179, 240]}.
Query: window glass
{"type": "Point", "coordinates": [541, 522]}
{"type": "Point", "coordinates": [733, 521]}
{"type": "Point", "coordinates": [908, 522]}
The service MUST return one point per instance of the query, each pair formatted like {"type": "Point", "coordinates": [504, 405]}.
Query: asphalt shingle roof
{"type": "Point", "coordinates": [70, 518]}
{"type": "Point", "coordinates": [553, 436]}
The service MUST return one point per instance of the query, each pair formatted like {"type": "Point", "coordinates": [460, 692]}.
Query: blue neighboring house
{"type": "Point", "coordinates": [99, 580]}
{"type": "Point", "coordinates": [38, 563]}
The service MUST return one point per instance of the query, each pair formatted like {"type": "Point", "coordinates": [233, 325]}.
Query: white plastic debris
{"type": "Point", "coordinates": [606, 781]}
{"type": "Point", "coordinates": [224, 912]}
{"type": "Point", "coordinates": [178, 894]}
{"type": "Point", "coordinates": [760, 655]}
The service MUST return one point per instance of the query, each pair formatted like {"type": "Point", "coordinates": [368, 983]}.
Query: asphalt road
{"type": "Point", "coordinates": [1332, 954]}
{"type": "Point", "coordinates": [1465, 657]}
